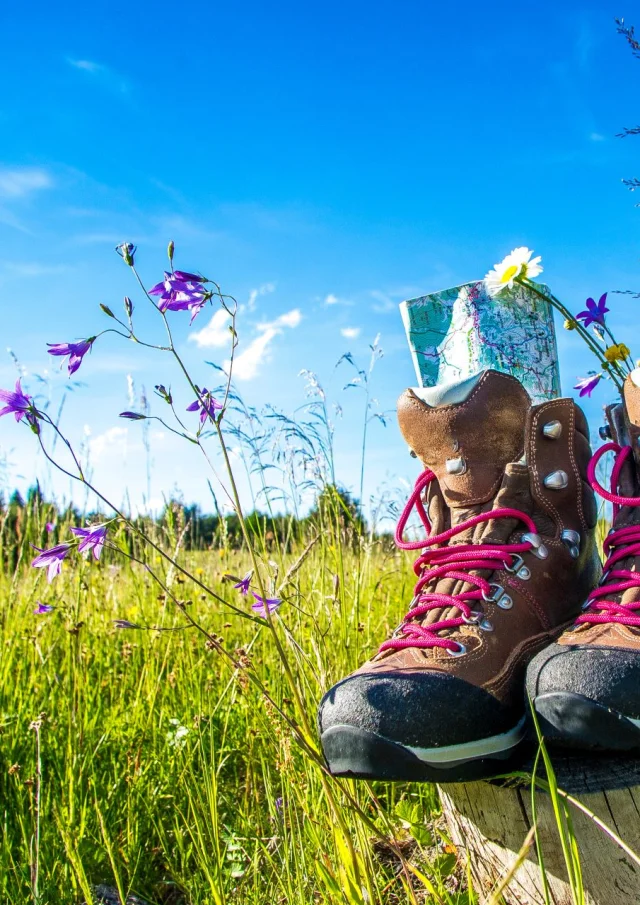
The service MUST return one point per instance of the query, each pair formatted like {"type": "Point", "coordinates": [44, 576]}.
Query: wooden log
{"type": "Point", "coordinates": [490, 823]}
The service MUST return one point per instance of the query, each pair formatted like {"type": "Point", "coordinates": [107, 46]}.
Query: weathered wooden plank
{"type": "Point", "coordinates": [490, 823]}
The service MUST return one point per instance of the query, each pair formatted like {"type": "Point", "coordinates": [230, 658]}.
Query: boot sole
{"type": "Point", "coordinates": [360, 754]}
{"type": "Point", "coordinates": [572, 720]}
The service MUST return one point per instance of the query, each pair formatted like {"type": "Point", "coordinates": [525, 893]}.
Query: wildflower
{"type": "Point", "coordinates": [279, 804]}
{"type": "Point", "coordinates": [570, 323]}
{"type": "Point", "coordinates": [243, 584]}
{"type": "Point", "coordinates": [126, 251]}
{"type": "Point", "coordinates": [265, 605]}
{"type": "Point", "coordinates": [188, 277]}
{"type": "Point", "coordinates": [177, 734]}
{"type": "Point", "coordinates": [51, 559]}
{"type": "Point", "coordinates": [206, 405]}
{"type": "Point", "coordinates": [16, 402]}
{"type": "Point", "coordinates": [171, 247]}
{"type": "Point", "coordinates": [124, 623]}
{"type": "Point", "coordinates": [177, 294]}
{"type": "Point", "coordinates": [75, 351]}
{"type": "Point", "coordinates": [42, 608]}
{"type": "Point", "coordinates": [93, 538]}
{"type": "Point", "coordinates": [516, 264]}
{"type": "Point", "coordinates": [587, 385]}
{"type": "Point", "coordinates": [617, 353]}
{"type": "Point", "coordinates": [132, 416]}
{"type": "Point", "coordinates": [49, 527]}
{"type": "Point", "coordinates": [594, 313]}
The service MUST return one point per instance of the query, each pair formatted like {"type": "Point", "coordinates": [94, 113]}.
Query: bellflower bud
{"type": "Point", "coordinates": [126, 251]}
{"type": "Point", "coordinates": [170, 250]}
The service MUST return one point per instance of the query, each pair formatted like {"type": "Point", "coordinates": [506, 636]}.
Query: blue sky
{"type": "Point", "coordinates": [352, 153]}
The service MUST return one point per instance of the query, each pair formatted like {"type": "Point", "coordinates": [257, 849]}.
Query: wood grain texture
{"type": "Point", "coordinates": [490, 822]}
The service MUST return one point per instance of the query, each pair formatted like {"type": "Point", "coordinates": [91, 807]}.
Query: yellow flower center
{"type": "Point", "coordinates": [510, 273]}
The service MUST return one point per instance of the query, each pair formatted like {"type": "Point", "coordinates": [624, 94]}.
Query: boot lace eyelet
{"type": "Point", "coordinates": [458, 652]}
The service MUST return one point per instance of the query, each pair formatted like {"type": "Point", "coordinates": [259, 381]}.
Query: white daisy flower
{"type": "Point", "coordinates": [516, 264]}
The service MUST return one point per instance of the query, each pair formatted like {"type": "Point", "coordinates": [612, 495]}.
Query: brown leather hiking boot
{"type": "Point", "coordinates": [586, 688]}
{"type": "Point", "coordinates": [508, 559]}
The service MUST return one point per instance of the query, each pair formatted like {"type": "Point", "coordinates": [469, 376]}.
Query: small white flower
{"type": "Point", "coordinates": [177, 734]}
{"type": "Point", "coordinates": [516, 264]}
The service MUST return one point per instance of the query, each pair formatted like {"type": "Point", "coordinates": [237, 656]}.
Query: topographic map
{"type": "Point", "coordinates": [460, 331]}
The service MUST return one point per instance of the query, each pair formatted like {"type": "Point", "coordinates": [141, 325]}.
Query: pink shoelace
{"type": "Point", "coordinates": [454, 562]}
{"type": "Point", "coordinates": [619, 544]}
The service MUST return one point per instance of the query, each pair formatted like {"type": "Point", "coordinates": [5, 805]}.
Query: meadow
{"type": "Point", "coordinates": [146, 760]}
{"type": "Point", "coordinates": [157, 737]}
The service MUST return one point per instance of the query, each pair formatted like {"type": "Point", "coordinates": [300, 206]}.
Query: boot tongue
{"type": "Point", "coordinates": [466, 433]}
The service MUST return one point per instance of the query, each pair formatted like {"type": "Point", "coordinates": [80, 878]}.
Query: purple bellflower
{"type": "Point", "coordinates": [206, 405]}
{"type": "Point", "coordinates": [177, 294]}
{"type": "Point", "coordinates": [132, 416]}
{"type": "Point", "coordinates": [42, 608]}
{"type": "Point", "coordinates": [263, 605]}
{"type": "Point", "coordinates": [243, 584]}
{"type": "Point", "coordinates": [75, 351]}
{"type": "Point", "coordinates": [594, 313]}
{"type": "Point", "coordinates": [49, 527]}
{"type": "Point", "coordinates": [51, 559]}
{"type": "Point", "coordinates": [185, 277]}
{"type": "Point", "coordinates": [92, 538]}
{"type": "Point", "coordinates": [17, 403]}
{"type": "Point", "coordinates": [587, 385]}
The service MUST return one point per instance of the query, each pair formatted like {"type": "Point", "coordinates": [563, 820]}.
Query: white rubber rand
{"type": "Point", "coordinates": [482, 747]}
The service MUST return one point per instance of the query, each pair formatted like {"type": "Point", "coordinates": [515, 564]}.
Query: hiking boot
{"type": "Point", "coordinates": [508, 559]}
{"type": "Point", "coordinates": [586, 687]}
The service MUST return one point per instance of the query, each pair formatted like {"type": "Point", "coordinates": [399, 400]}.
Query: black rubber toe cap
{"type": "Point", "coordinates": [422, 709]}
{"type": "Point", "coordinates": [608, 676]}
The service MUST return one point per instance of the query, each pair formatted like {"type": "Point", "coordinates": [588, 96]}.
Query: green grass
{"type": "Point", "coordinates": [128, 798]}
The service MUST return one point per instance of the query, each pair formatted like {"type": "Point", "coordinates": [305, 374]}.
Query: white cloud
{"type": "Point", "coordinates": [33, 269]}
{"type": "Point", "coordinates": [216, 334]}
{"type": "Point", "coordinates": [385, 302]}
{"type": "Point", "coordinates": [332, 299]}
{"type": "Point", "coordinates": [290, 319]}
{"type": "Point", "coordinates": [111, 80]}
{"type": "Point", "coordinates": [265, 289]}
{"type": "Point", "coordinates": [20, 181]}
{"type": "Point", "coordinates": [247, 364]}
{"type": "Point", "coordinates": [350, 332]}
{"type": "Point", "coordinates": [87, 65]}
{"type": "Point", "coordinates": [112, 441]}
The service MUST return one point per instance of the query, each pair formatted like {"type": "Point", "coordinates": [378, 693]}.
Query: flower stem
{"type": "Point", "coordinates": [557, 304]}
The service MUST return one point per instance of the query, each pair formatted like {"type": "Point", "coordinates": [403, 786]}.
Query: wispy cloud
{"type": "Point", "coordinates": [32, 268]}
{"type": "Point", "coordinates": [350, 332]}
{"type": "Point", "coordinates": [113, 441]}
{"type": "Point", "coordinates": [106, 76]}
{"type": "Point", "coordinates": [596, 136]}
{"type": "Point", "coordinates": [255, 294]}
{"type": "Point", "coordinates": [248, 363]}
{"type": "Point", "coordinates": [332, 299]}
{"type": "Point", "coordinates": [384, 302]}
{"type": "Point", "coordinates": [16, 182]}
